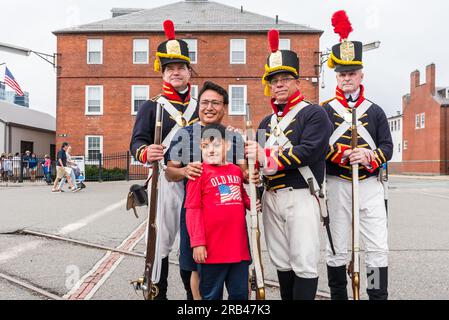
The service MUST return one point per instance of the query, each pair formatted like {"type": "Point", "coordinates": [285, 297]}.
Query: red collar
{"type": "Point", "coordinates": [170, 93]}
{"type": "Point", "coordinates": [294, 99]}
{"type": "Point", "coordinates": [340, 95]}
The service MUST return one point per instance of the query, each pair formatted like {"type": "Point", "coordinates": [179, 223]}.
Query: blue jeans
{"type": "Point", "coordinates": [213, 277]}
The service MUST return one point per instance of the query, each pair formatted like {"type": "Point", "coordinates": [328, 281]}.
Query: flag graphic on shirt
{"type": "Point", "coordinates": [229, 193]}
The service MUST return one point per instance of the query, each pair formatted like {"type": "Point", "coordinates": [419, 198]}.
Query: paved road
{"type": "Point", "coordinates": [418, 225]}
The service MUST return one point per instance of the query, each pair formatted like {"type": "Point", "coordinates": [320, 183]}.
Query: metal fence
{"type": "Point", "coordinates": [112, 167]}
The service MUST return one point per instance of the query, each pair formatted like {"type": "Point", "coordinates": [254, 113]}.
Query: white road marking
{"type": "Point", "coordinates": [16, 251]}
{"type": "Point", "coordinates": [85, 221]}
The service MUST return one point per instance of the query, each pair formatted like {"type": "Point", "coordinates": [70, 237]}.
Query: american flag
{"type": "Point", "coordinates": [11, 82]}
{"type": "Point", "coordinates": [229, 193]}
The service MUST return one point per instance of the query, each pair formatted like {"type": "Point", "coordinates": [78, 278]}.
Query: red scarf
{"type": "Point", "coordinates": [294, 99]}
{"type": "Point", "coordinates": [340, 95]}
{"type": "Point", "coordinates": [170, 93]}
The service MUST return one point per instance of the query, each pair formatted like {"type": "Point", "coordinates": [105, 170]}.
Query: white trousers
{"type": "Point", "coordinates": [373, 222]}
{"type": "Point", "coordinates": [170, 197]}
{"type": "Point", "coordinates": [291, 219]}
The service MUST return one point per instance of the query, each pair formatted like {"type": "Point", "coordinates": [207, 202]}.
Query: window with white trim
{"type": "Point", "coordinates": [194, 92]}
{"type": "Point", "coordinates": [94, 51]}
{"type": "Point", "coordinates": [284, 44]}
{"type": "Point", "coordinates": [238, 51]}
{"type": "Point", "coordinates": [423, 120]}
{"type": "Point", "coordinates": [405, 144]}
{"type": "Point", "coordinates": [399, 125]}
{"type": "Point", "coordinates": [237, 100]}
{"type": "Point", "coordinates": [139, 94]}
{"type": "Point", "coordinates": [399, 148]}
{"type": "Point", "coordinates": [417, 121]}
{"type": "Point", "coordinates": [94, 100]}
{"type": "Point", "coordinates": [94, 148]}
{"type": "Point", "coordinates": [141, 47]}
{"type": "Point", "coordinates": [193, 50]}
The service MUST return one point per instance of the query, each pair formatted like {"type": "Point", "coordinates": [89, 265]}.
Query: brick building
{"type": "Point", "coordinates": [105, 68]}
{"type": "Point", "coordinates": [425, 127]}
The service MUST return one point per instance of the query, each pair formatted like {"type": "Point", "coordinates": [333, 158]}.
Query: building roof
{"type": "Point", "coordinates": [189, 16]}
{"type": "Point", "coordinates": [441, 99]}
{"type": "Point", "coordinates": [22, 116]}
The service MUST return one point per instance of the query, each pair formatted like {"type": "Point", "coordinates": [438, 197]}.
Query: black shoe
{"type": "Point", "coordinates": [377, 283]}
{"type": "Point", "coordinates": [163, 281]}
{"type": "Point", "coordinates": [337, 282]}
{"type": "Point", "coordinates": [286, 282]}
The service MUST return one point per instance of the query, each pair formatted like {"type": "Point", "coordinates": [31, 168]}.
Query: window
{"type": "Point", "coordinates": [417, 121]}
{"type": "Point", "coordinates": [94, 100]}
{"type": "Point", "coordinates": [94, 51]}
{"type": "Point", "coordinates": [284, 44]}
{"type": "Point", "coordinates": [405, 144]}
{"type": "Point", "coordinates": [391, 126]}
{"type": "Point", "coordinates": [399, 148]}
{"type": "Point", "coordinates": [94, 147]}
{"type": "Point", "coordinates": [140, 51]}
{"type": "Point", "coordinates": [399, 125]}
{"type": "Point", "coordinates": [194, 92]}
{"type": "Point", "coordinates": [139, 95]}
{"type": "Point", "coordinates": [237, 100]}
{"type": "Point", "coordinates": [395, 125]}
{"type": "Point", "coordinates": [423, 120]}
{"type": "Point", "coordinates": [193, 50]}
{"type": "Point", "coordinates": [238, 51]}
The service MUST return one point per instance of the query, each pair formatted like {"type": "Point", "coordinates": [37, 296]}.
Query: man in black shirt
{"type": "Point", "coordinates": [61, 169]}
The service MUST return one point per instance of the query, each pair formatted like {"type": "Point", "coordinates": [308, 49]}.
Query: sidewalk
{"type": "Point", "coordinates": [438, 178]}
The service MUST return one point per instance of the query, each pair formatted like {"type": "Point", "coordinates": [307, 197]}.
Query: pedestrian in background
{"type": "Point", "coordinates": [46, 168]}
{"type": "Point", "coordinates": [32, 165]}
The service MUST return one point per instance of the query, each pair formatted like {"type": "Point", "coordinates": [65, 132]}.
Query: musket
{"type": "Point", "coordinates": [383, 178]}
{"type": "Point", "coordinates": [354, 268]}
{"type": "Point", "coordinates": [150, 289]}
{"type": "Point", "coordinates": [256, 275]}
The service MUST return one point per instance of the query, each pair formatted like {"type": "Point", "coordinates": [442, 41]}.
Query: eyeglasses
{"type": "Point", "coordinates": [215, 103]}
{"type": "Point", "coordinates": [282, 81]}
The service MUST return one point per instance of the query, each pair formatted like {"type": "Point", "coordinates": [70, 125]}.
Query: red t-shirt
{"type": "Point", "coordinates": [215, 217]}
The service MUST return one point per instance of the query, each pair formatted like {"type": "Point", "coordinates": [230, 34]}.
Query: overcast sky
{"type": "Point", "coordinates": [413, 34]}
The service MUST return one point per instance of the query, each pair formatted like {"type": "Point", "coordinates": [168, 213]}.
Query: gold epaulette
{"type": "Point", "coordinates": [327, 101]}
{"type": "Point", "coordinates": [154, 99]}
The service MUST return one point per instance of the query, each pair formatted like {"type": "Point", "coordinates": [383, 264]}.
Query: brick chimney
{"type": "Point", "coordinates": [414, 80]}
{"type": "Point", "coordinates": [430, 78]}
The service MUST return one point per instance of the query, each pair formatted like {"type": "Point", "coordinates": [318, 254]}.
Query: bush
{"type": "Point", "coordinates": [115, 174]}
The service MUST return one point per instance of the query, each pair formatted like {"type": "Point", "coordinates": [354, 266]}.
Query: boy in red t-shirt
{"type": "Point", "coordinates": [216, 222]}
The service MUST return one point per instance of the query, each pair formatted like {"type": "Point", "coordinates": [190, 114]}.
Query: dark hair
{"type": "Point", "coordinates": [65, 144]}
{"type": "Point", "coordinates": [209, 85]}
{"type": "Point", "coordinates": [213, 131]}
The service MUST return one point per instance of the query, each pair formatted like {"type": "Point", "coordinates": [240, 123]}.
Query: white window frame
{"type": "Point", "coordinates": [87, 112]}
{"type": "Point", "coordinates": [245, 100]}
{"type": "Point", "coordinates": [287, 41]}
{"type": "Point", "coordinates": [86, 148]}
{"type": "Point", "coordinates": [147, 51]}
{"type": "Point", "coordinates": [88, 50]}
{"type": "Point", "coordinates": [133, 112]}
{"type": "Point", "coordinates": [231, 50]}
{"type": "Point", "coordinates": [197, 92]}
{"type": "Point", "coordinates": [405, 145]}
{"type": "Point", "coordinates": [195, 41]}
{"type": "Point", "coordinates": [417, 121]}
{"type": "Point", "coordinates": [423, 121]}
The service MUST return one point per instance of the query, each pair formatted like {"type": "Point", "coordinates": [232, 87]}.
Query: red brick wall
{"type": "Point", "coordinates": [118, 73]}
{"type": "Point", "coordinates": [424, 146]}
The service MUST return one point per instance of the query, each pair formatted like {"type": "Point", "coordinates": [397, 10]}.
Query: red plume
{"type": "Point", "coordinates": [169, 29]}
{"type": "Point", "coordinates": [273, 39]}
{"type": "Point", "coordinates": [342, 25]}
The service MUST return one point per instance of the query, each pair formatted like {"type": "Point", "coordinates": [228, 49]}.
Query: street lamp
{"type": "Point", "coordinates": [50, 58]}
{"type": "Point", "coordinates": [324, 56]}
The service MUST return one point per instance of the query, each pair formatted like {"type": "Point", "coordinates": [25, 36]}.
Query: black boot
{"type": "Point", "coordinates": [305, 289]}
{"type": "Point", "coordinates": [286, 282]}
{"type": "Point", "coordinates": [337, 282]}
{"type": "Point", "coordinates": [163, 281]}
{"type": "Point", "coordinates": [377, 283]}
{"type": "Point", "coordinates": [185, 276]}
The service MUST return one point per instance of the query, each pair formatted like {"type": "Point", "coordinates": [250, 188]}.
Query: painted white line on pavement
{"type": "Point", "coordinates": [83, 222]}
{"type": "Point", "coordinates": [16, 251]}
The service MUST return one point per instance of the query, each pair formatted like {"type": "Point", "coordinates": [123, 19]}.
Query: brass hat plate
{"type": "Point", "coordinates": [347, 51]}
